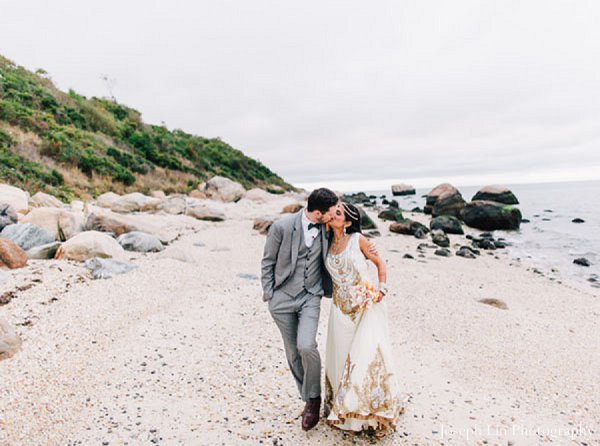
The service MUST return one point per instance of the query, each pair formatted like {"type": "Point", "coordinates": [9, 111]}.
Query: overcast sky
{"type": "Point", "coordinates": [339, 92]}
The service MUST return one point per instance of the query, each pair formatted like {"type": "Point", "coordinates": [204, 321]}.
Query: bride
{"type": "Point", "coordinates": [361, 389]}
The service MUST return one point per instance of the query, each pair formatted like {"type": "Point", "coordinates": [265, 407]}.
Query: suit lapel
{"type": "Point", "coordinates": [296, 237]}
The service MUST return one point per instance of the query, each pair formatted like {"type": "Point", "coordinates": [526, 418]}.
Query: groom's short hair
{"type": "Point", "coordinates": [321, 200]}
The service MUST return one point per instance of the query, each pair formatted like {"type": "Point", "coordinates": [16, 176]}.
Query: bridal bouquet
{"type": "Point", "coordinates": [364, 295]}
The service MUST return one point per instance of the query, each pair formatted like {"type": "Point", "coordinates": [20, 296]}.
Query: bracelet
{"type": "Point", "coordinates": [383, 288]}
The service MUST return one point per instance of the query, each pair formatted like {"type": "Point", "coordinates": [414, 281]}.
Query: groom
{"type": "Point", "coordinates": [294, 279]}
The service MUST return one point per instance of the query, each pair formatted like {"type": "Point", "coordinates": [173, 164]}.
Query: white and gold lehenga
{"type": "Point", "coordinates": [361, 387]}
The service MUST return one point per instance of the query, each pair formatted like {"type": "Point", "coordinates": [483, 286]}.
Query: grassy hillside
{"type": "Point", "coordinates": [72, 146]}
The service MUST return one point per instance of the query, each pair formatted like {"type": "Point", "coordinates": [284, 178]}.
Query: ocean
{"type": "Point", "coordinates": [551, 241]}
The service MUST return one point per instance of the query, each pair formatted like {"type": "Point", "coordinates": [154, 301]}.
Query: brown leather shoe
{"type": "Point", "coordinates": [310, 418]}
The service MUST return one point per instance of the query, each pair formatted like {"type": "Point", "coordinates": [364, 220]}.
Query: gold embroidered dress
{"type": "Point", "coordinates": [361, 389]}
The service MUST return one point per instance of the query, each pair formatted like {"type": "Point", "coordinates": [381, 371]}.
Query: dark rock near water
{"type": "Point", "coordinates": [385, 201]}
{"type": "Point", "coordinates": [488, 215]}
{"type": "Point", "coordinates": [408, 256]}
{"type": "Point", "coordinates": [444, 252]}
{"type": "Point", "coordinates": [391, 214]}
{"type": "Point", "coordinates": [409, 227]}
{"type": "Point", "coordinates": [499, 194]}
{"type": "Point", "coordinates": [8, 215]}
{"type": "Point", "coordinates": [484, 244]}
{"type": "Point", "coordinates": [466, 252]}
{"type": "Point", "coordinates": [440, 238]}
{"type": "Point", "coordinates": [365, 221]}
{"type": "Point", "coordinates": [394, 204]}
{"type": "Point", "coordinates": [417, 210]}
{"type": "Point", "coordinates": [447, 223]}
{"type": "Point", "coordinates": [578, 220]}
{"type": "Point", "coordinates": [27, 235]}
{"type": "Point", "coordinates": [450, 204]}
{"type": "Point", "coordinates": [582, 261]}
{"type": "Point", "coordinates": [403, 189]}
{"type": "Point", "coordinates": [525, 220]}
{"type": "Point", "coordinates": [356, 198]}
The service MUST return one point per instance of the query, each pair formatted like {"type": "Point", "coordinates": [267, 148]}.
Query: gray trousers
{"type": "Point", "coordinates": [298, 320]}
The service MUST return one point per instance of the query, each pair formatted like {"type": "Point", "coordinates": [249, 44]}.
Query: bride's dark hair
{"type": "Point", "coordinates": [352, 214]}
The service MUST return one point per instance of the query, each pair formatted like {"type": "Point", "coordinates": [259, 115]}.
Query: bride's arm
{"type": "Point", "coordinates": [373, 256]}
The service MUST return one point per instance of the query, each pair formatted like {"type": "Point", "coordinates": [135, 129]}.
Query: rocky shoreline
{"type": "Point", "coordinates": [176, 346]}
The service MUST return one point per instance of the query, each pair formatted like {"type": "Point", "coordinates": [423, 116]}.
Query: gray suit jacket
{"type": "Point", "coordinates": [281, 253]}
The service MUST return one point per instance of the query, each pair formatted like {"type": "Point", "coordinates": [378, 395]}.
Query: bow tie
{"type": "Point", "coordinates": [313, 225]}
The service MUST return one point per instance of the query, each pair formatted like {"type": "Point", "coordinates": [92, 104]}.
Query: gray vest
{"type": "Point", "coordinates": [308, 274]}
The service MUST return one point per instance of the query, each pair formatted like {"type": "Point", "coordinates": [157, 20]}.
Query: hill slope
{"type": "Point", "coordinates": [72, 146]}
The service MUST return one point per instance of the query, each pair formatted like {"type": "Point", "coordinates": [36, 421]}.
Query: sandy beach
{"type": "Point", "coordinates": [184, 351]}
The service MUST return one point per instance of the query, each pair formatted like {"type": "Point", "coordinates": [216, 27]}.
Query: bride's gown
{"type": "Point", "coordinates": [361, 387]}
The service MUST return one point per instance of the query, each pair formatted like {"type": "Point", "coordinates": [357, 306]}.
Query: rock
{"type": "Point", "coordinates": [440, 238]}
{"type": "Point", "coordinates": [136, 202]}
{"type": "Point", "coordinates": [484, 243]}
{"type": "Point", "coordinates": [140, 242]}
{"type": "Point", "coordinates": [448, 203]}
{"type": "Point", "coordinates": [408, 227]}
{"type": "Point", "coordinates": [578, 220]}
{"type": "Point", "coordinates": [465, 252]}
{"type": "Point", "coordinates": [489, 215]}
{"type": "Point", "coordinates": [394, 204]}
{"type": "Point", "coordinates": [403, 189]}
{"type": "Point", "coordinates": [443, 252]}
{"type": "Point", "coordinates": [107, 268]}
{"type": "Point", "coordinates": [365, 221]}
{"type": "Point", "coordinates": [391, 215]}
{"type": "Point", "coordinates": [176, 254]}
{"type": "Point", "coordinates": [447, 223]}
{"type": "Point", "coordinates": [107, 199]}
{"type": "Point", "coordinates": [15, 197]}
{"type": "Point", "coordinates": [292, 208]}
{"type": "Point", "coordinates": [44, 252]}
{"type": "Point", "coordinates": [356, 198]}
{"type": "Point", "coordinates": [275, 189]}
{"type": "Point", "coordinates": [494, 303]}
{"type": "Point", "coordinates": [8, 215]}
{"type": "Point", "coordinates": [41, 199]}
{"type": "Point", "coordinates": [434, 194]}
{"type": "Point", "coordinates": [62, 224]}
{"type": "Point", "coordinates": [417, 209]}
{"type": "Point", "coordinates": [77, 206]}
{"type": "Point", "coordinates": [525, 220]}
{"type": "Point", "coordinates": [174, 204]}
{"type": "Point", "coordinates": [420, 232]}
{"type": "Point", "coordinates": [198, 194]}
{"type": "Point", "coordinates": [11, 254]}
{"type": "Point", "coordinates": [262, 225]}
{"type": "Point", "coordinates": [10, 342]}
{"type": "Point", "coordinates": [90, 244]}
{"type": "Point", "coordinates": [112, 224]}
{"type": "Point", "coordinates": [408, 256]}
{"type": "Point", "coordinates": [582, 261]}
{"type": "Point", "coordinates": [498, 194]}
{"type": "Point", "coordinates": [258, 195]}
{"type": "Point", "coordinates": [27, 235]}
{"type": "Point", "coordinates": [224, 189]}
{"type": "Point", "coordinates": [158, 194]}
{"type": "Point", "coordinates": [204, 211]}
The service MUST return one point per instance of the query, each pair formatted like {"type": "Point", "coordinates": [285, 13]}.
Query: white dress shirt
{"type": "Point", "coordinates": [309, 235]}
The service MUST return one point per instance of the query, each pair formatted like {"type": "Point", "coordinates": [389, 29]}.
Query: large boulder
{"type": "Point", "coordinates": [174, 204]}
{"type": "Point", "coordinates": [366, 222]}
{"type": "Point", "coordinates": [447, 223]}
{"type": "Point", "coordinates": [448, 203]}
{"type": "Point", "coordinates": [140, 242]}
{"type": "Point", "coordinates": [107, 199]}
{"type": "Point", "coordinates": [499, 194]}
{"type": "Point", "coordinates": [27, 235]}
{"type": "Point", "coordinates": [11, 254]}
{"type": "Point", "coordinates": [434, 194]}
{"type": "Point", "coordinates": [136, 202]}
{"type": "Point", "coordinates": [262, 225]}
{"type": "Point", "coordinates": [90, 244]}
{"type": "Point", "coordinates": [292, 208]}
{"type": "Point", "coordinates": [204, 211]}
{"type": "Point", "coordinates": [62, 224]}
{"type": "Point", "coordinates": [224, 189]}
{"type": "Point", "coordinates": [488, 215]}
{"type": "Point", "coordinates": [41, 199]}
{"type": "Point", "coordinates": [109, 222]}
{"type": "Point", "coordinates": [8, 215]}
{"type": "Point", "coordinates": [14, 197]}
{"type": "Point", "coordinates": [403, 189]}
{"type": "Point", "coordinates": [258, 195]}
{"type": "Point", "coordinates": [10, 342]}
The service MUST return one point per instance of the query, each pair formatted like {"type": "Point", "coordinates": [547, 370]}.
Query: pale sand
{"type": "Point", "coordinates": [187, 353]}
